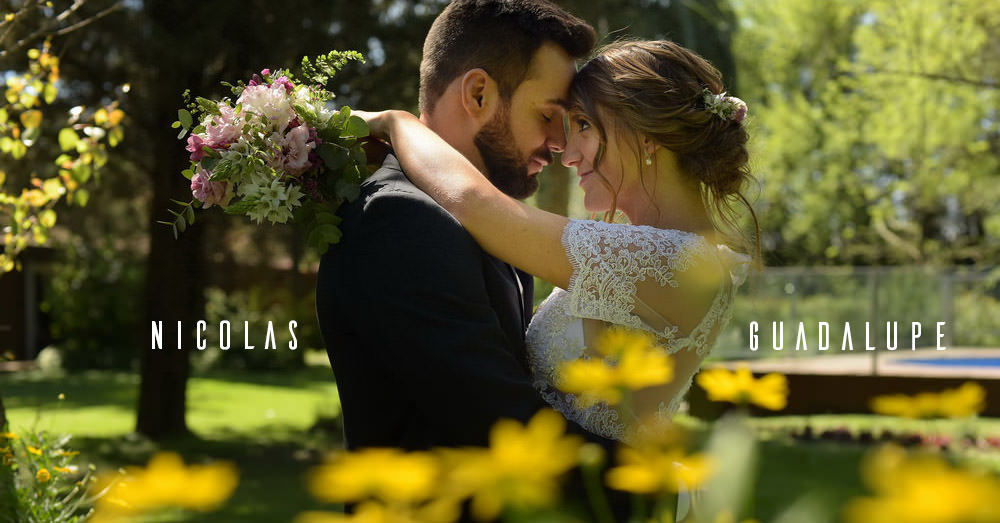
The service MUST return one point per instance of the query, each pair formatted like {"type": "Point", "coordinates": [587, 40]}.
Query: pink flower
{"type": "Point", "coordinates": [223, 129]}
{"type": "Point", "coordinates": [265, 72]}
{"type": "Point", "coordinates": [194, 146]}
{"type": "Point", "coordinates": [208, 192]}
{"type": "Point", "coordinates": [285, 82]}
{"type": "Point", "coordinates": [297, 148]}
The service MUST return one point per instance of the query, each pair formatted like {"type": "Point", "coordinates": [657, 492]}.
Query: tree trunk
{"type": "Point", "coordinates": [174, 279]}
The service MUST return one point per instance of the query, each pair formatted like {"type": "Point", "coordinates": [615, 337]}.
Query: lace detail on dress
{"type": "Point", "coordinates": [609, 258]}
{"type": "Point", "coordinates": [608, 261]}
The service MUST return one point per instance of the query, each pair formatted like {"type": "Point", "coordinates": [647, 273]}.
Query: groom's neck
{"type": "Point", "coordinates": [454, 130]}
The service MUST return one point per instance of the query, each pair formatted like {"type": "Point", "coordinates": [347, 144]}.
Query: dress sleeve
{"type": "Point", "coordinates": [619, 268]}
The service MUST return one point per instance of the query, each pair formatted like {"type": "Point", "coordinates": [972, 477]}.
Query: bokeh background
{"type": "Point", "coordinates": [875, 144]}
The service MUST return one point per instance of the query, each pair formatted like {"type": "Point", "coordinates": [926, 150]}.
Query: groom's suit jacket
{"type": "Point", "coordinates": [424, 330]}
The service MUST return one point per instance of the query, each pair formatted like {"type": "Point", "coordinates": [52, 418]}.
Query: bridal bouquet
{"type": "Point", "coordinates": [278, 152]}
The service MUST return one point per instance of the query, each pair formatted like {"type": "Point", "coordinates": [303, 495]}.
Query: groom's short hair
{"type": "Point", "coordinates": [499, 36]}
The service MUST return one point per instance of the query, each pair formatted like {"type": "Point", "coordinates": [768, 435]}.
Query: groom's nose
{"type": "Point", "coordinates": [555, 136]}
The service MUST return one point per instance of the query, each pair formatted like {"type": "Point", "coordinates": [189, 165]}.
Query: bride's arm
{"type": "Point", "coordinates": [519, 234]}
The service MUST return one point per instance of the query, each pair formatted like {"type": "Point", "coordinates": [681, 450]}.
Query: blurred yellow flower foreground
{"type": "Point", "coordinates": [962, 402]}
{"type": "Point", "coordinates": [632, 361]}
{"type": "Point", "coordinates": [923, 489]}
{"type": "Point", "coordinates": [521, 468]}
{"type": "Point", "coordinates": [740, 387]}
{"type": "Point", "coordinates": [165, 482]}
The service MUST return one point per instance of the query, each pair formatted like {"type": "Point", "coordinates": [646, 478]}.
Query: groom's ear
{"type": "Point", "coordinates": [479, 95]}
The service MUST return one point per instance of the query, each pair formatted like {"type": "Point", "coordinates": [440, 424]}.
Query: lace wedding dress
{"type": "Point", "coordinates": [617, 270]}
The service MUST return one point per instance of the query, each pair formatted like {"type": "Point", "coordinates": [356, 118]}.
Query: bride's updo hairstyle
{"type": "Point", "coordinates": [658, 89]}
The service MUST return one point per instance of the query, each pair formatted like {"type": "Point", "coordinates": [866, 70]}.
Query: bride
{"type": "Point", "coordinates": [651, 134]}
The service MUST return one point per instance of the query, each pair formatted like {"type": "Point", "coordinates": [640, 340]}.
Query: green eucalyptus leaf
{"type": "Point", "coordinates": [356, 126]}
{"type": "Point", "coordinates": [185, 118]}
{"type": "Point", "coordinates": [333, 156]}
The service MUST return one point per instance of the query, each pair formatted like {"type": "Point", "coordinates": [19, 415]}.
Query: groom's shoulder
{"type": "Point", "coordinates": [388, 197]}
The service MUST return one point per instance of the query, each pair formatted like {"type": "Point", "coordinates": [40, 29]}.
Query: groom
{"type": "Point", "coordinates": [424, 330]}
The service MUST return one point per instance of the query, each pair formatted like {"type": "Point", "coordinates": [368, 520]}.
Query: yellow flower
{"type": "Point", "coordinates": [632, 361]}
{"type": "Point", "coordinates": [65, 470]}
{"type": "Point", "coordinates": [43, 476]}
{"type": "Point", "coordinates": [922, 489]}
{"type": "Point", "coordinates": [33, 450]}
{"type": "Point", "coordinates": [647, 367]}
{"type": "Point", "coordinates": [521, 467]}
{"type": "Point", "coordinates": [386, 473]}
{"type": "Point", "coordinates": [740, 387]}
{"type": "Point", "coordinates": [165, 482]}
{"type": "Point", "coordinates": [594, 380]}
{"type": "Point", "coordinates": [967, 400]}
{"type": "Point", "coordinates": [8, 435]}
{"type": "Point", "coordinates": [659, 465]}
{"type": "Point", "coordinates": [616, 341]}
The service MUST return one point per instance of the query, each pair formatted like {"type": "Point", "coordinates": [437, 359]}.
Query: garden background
{"type": "Point", "coordinates": [875, 142]}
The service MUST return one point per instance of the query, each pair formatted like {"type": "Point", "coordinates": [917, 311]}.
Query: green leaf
{"type": "Point", "coordinates": [359, 156]}
{"type": "Point", "coordinates": [3, 115]}
{"type": "Point", "coordinates": [324, 217]}
{"type": "Point", "coordinates": [81, 172]}
{"type": "Point", "coordinates": [207, 106]}
{"type": "Point", "coordinates": [307, 113]}
{"type": "Point", "coordinates": [181, 224]}
{"type": "Point", "coordinates": [188, 173]}
{"type": "Point", "coordinates": [334, 157]}
{"type": "Point", "coordinates": [189, 214]}
{"type": "Point", "coordinates": [347, 190]}
{"type": "Point", "coordinates": [18, 149]}
{"type": "Point", "coordinates": [82, 197]}
{"type": "Point", "coordinates": [242, 206]}
{"type": "Point", "coordinates": [356, 126]}
{"type": "Point", "coordinates": [68, 139]}
{"type": "Point", "coordinates": [185, 118]}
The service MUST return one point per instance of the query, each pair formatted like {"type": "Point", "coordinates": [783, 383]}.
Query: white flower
{"type": "Point", "coordinates": [269, 101]}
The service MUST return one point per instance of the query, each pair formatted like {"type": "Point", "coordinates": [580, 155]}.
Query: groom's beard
{"type": "Point", "coordinates": [504, 166]}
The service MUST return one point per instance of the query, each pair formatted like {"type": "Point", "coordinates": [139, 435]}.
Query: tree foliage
{"type": "Point", "coordinates": [875, 128]}
{"type": "Point", "coordinates": [33, 112]}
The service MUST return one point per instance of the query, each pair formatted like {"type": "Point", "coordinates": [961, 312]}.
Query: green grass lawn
{"type": "Point", "coordinates": [263, 421]}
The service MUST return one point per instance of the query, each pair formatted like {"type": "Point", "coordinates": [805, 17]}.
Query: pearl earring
{"type": "Point", "coordinates": [649, 159]}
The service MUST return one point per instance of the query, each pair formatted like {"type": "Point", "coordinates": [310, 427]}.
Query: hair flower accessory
{"type": "Point", "coordinates": [724, 106]}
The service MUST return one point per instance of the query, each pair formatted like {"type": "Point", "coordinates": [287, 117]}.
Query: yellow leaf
{"type": "Point", "coordinates": [31, 119]}
{"type": "Point", "coordinates": [53, 188]}
{"type": "Point", "coordinates": [3, 177]}
{"type": "Point", "coordinates": [115, 117]}
{"type": "Point", "coordinates": [47, 218]}
{"type": "Point", "coordinates": [101, 116]}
